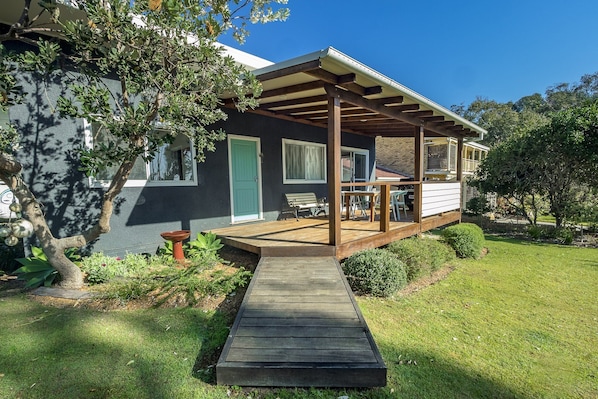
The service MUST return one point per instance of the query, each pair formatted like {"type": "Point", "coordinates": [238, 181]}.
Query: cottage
{"type": "Point", "coordinates": [315, 131]}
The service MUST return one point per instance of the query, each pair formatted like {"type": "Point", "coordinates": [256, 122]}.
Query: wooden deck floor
{"type": "Point", "coordinates": [299, 325]}
{"type": "Point", "coordinates": [309, 236]}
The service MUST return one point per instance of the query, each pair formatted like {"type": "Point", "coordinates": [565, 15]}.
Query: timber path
{"type": "Point", "coordinates": [299, 326]}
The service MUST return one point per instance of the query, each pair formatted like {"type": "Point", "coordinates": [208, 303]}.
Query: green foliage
{"type": "Point", "coordinates": [37, 270]}
{"type": "Point", "coordinates": [163, 278]}
{"type": "Point", "coordinates": [421, 256]}
{"type": "Point", "coordinates": [100, 268]}
{"type": "Point", "coordinates": [10, 93]}
{"type": "Point", "coordinates": [544, 148]}
{"type": "Point", "coordinates": [467, 239]}
{"type": "Point", "coordinates": [9, 256]}
{"type": "Point", "coordinates": [204, 245]}
{"type": "Point", "coordinates": [165, 68]}
{"type": "Point", "coordinates": [375, 272]}
{"type": "Point", "coordinates": [561, 235]}
{"type": "Point", "coordinates": [478, 205]}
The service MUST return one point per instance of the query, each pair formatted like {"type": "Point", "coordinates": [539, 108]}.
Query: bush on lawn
{"type": "Point", "coordinates": [375, 272]}
{"type": "Point", "coordinates": [561, 235]}
{"type": "Point", "coordinates": [421, 256]}
{"type": "Point", "coordinates": [467, 239]}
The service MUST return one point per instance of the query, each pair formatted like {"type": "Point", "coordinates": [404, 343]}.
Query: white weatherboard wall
{"type": "Point", "coordinates": [440, 197]}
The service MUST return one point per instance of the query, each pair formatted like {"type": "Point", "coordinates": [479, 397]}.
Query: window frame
{"type": "Point", "coordinates": [101, 183]}
{"type": "Point", "coordinates": [286, 180]}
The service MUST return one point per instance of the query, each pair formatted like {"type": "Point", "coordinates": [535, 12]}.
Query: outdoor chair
{"type": "Point", "coordinates": [397, 201]}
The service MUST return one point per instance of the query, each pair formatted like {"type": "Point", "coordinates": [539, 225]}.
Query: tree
{"type": "Point", "coordinates": [170, 73]}
{"type": "Point", "coordinates": [508, 170]}
{"type": "Point", "coordinates": [567, 156]}
{"type": "Point", "coordinates": [502, 120]}
{"type": "Point", "coordinates": [558, 161]}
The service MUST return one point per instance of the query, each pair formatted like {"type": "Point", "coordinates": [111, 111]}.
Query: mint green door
{"type": "Point", "coordinates": [245, 180]}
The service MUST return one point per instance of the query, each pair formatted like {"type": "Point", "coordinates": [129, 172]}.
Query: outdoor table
{"type": "Point", "coordinates": [372, 197]}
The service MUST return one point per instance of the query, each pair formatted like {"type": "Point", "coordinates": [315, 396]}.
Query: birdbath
{"type": "Point", "coordinates": [176, 237]}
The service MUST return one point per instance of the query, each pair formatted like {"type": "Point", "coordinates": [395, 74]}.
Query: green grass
{"type": "Point", "coordinates": [520, 323]}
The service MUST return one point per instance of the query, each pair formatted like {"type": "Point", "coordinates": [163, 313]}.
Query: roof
{"type": "Point", "coordinates": [372, 104]}
{"type": "Point", "coordinates": [389, 174]}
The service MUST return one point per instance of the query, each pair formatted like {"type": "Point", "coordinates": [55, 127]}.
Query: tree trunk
{"type": "Point", "coordinates": [71, 276]}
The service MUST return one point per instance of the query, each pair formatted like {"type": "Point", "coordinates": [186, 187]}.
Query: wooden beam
{"type": "Point", "coordinates": [385, 208]}
{"type": "Point", "coordinates": [390, 101]}
{"type": "Point", "coordinates": [296, 101]}
{"type": "Point", "coordinates": [420, 114]}
{"type": "Point", "coordinates": [331, 78]}
{"type": "Point", "coordinates": [419, 173]}
{"type": "Point", "coordinates": [365, 103]}
{"type": "Point", "coordinates": [437, 118]}
{"type": "Point", "coordinates": [460, 159]}
{"type": "Point", "coordinates": [403, 107]}
{"type": "Point", "coordinates": [316, 84]}
{"type": "Point", "coordinates": [333, 170]}
{"type": "Point", "coordinates": [305, 67]}
{"type": "Point", "coordinates": [313, 109]}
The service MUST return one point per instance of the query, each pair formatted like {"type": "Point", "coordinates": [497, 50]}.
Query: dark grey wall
{"type": "Point", "coordinates": [71, 205]}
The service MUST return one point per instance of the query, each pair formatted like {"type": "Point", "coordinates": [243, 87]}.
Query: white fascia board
{"type": "Point", "coordinates": [248, 60]}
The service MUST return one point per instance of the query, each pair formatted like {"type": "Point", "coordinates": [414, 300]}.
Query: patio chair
{"type": "Point", "coordinates": [397, 201]}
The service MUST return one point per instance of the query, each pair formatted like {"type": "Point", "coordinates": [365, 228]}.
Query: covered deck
{"type": "Point", "coordinates": [330, 90]}
{"type": "Point", "coordinates": [309, 236]}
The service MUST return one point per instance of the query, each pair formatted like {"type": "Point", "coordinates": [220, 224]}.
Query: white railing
{"type": "Point", "coordinates": [440, 197]}
{"type": "Point", "coordinates": [470, 165]}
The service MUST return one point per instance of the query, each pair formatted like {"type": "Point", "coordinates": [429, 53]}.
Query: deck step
{"type": "Point", "coordinates": [299, 326]}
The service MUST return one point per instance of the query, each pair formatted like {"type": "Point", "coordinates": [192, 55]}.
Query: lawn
{"type": "Point", "coordinates": [520, 323]}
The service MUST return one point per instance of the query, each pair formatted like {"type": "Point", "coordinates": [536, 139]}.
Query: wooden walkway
{"type": "Point", "coordinates": [299, 326]}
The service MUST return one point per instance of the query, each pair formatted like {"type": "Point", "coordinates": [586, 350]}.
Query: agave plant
{"type": "Point", "coordinates": [204, 245]}
{"type": "Point", "coordinates": [37, 270]}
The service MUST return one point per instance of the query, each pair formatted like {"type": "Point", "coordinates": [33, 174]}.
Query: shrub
{"type": "Point", "coordinates": [101, 268]}
{"type": "Point", "coordinates": [421, 256]}
{"type": "Point", "coordinates": [467, 239]}
{"type": "Point", "coordinates": [375, 272]}
{"type": "Point", "coordinates": [477, 205]}
{"type": "Point", "coordinates": [162, 278]}
{"type": "Point", "coordinates": [9, 256]}
{"type": "Point", "coordinates": [562, 235]}
{"type": "Point", "coordinates": [204, 245]}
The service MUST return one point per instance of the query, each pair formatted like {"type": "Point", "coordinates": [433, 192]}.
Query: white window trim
{"type": "Point", "coordinates": [284, 169]}
{"type": "Point", "coordinates": [95, 183]}
{"type": "Point", "coordinates": [366, 153]}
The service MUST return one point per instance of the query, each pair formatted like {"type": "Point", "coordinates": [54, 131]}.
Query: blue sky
{"type": "Point", "coordinates": [448, 51]}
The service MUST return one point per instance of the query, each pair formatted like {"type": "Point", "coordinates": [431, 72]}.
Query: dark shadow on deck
{"type": "Point", "coordinates": [299, 326]}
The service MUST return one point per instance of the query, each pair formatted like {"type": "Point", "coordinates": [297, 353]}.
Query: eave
{"type": "Point", "coordinates": [371, 103]}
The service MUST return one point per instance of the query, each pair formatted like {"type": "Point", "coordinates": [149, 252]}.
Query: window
{"type": "Point", "coordinates": [437, 157]}
{"type": "Point", "coordinates": [172, 165]}
{"type": "Point", "coordinates": [355, 165]}
{"type": "Point", "coordinates": [303, 162]}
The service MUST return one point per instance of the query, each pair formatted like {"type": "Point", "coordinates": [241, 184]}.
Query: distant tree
{"type": "Point", "coordinates": [557, 161]}
{"type": "Point", "coordinates": [170, 72]}
{"type": "Point", "coordinates": [501, 120]}
{"type": "Point", "coordinates": [509, 171]}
